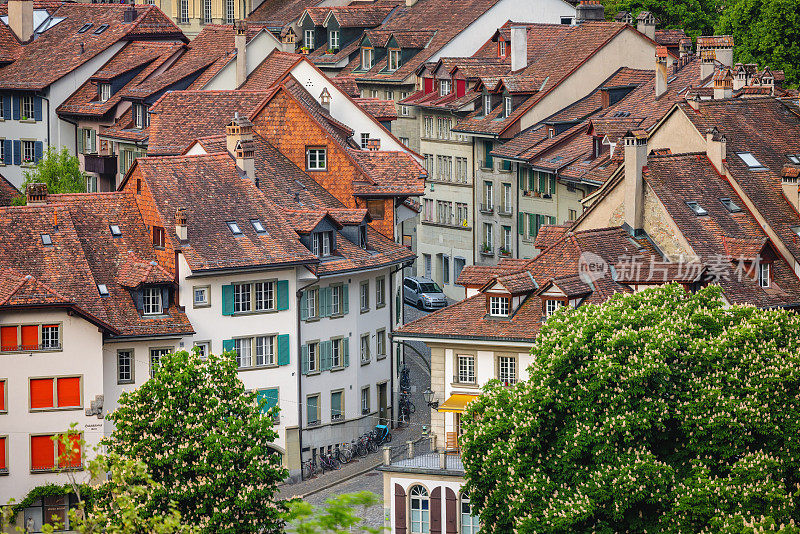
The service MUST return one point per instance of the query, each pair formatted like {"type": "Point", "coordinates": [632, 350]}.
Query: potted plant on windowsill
{"type": "Point", "coordinates": [305, 50]}
{"type": "Point", "coordinates": [505, 252]}
{"type": "Point", "coordinates": [486, 249]}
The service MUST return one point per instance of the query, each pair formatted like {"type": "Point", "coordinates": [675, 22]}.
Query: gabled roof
{"type": "Point", "coordinates": [7, 191]}
{"type": "Point", "coordinates": [278, 13]}
{"type": "Point", "coordinates": [57, 51]}
{"type": "Point", "coordinates": [391, 173]}
{"type": "Point", "coordinates": [133, 272]}
{"type": "Point", "coordinates": [383, 110]}
{"type": "Point", "coordinates": [275, 67]}
{"type": "Point", "coordinates": [362, 15]}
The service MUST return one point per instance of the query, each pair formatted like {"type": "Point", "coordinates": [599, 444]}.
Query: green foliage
{"type": "Point", "coordinates": [766, 32]}
{"type": "Point", "coordinates": [206, 443]}
{"type": "Point", "coordinates": [40, 492]}
{"type": "Point", "coordinates": [59, 170]}
{"type": "Point", "coordinates": [662, 411]}
{"type": "Point", "coordinates": [337, 517]}
{"type": "Point", "coordinates": [695, 17]}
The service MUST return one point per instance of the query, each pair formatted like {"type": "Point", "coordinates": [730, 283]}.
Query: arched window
{"type": "Point", "coordinates": [420, 510]}
{"type": "Point", "coordinates": [469, 522]}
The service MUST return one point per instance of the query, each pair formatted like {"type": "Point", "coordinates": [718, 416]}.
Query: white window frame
{"type": "Point", "coordinates": [499, 306]}
{"type": "Point", "coordinates": [365, 400]}
{"type": "Point", "coordinates": [487, 104]}
{"type": "Point", "coordinates": [230, 11]}
{"type": "Point", "coordinates": [469, 521]}
{"type": "Point", "coordinates": [207, 15]}
{"type": "Point", "coordinates": [394, 59]}
{"type": "Point", "coordinates": [183, 15]}
{"type": "Point", "coordinates": [28, 151]}
{"type": "Point", "coordinates": [488, 236]}
{"type": "Point", "coordinates": [336, 353]}
{"type": "Point", "coordinates": [27, 108]}
{"type": "Point", "coordinates": [445, 86]}
{"type": "Point", "coordinates": [364, 348]}
{"type": "Point", "coordinates": [336, 300]}
{"type": "Point", "coordinates": [380, 343]}
{"type": "Point", "coordinates": [506, 106]}
{"type": "Point", "coordinates": [204, 301]}
{"type": "Point", "coordinates": [364, 140]}
{"type": "Point", "coordinates": [151, 301]}
{"type": "Point", "coordinates": [316, 159]}
{"type": "Point", "coordinates": [551, 306]}
{"type": "Point", "coordinates": [311, 303]}
{"type": "Point", "coordinates": [380, 292]}
{"type": "Point", "coordinates": [364, 295]}
{"type": "Point", "coordinates": [466, 368]}
{"type": "Point", "coordinates": [313, 355]}
{"type": "Point", "coordinates": [308, 39]}
{"type": "Point", "coordinates": [333, 40]}
{"type": "Point", "coordinates": [105, 92]}
{"type": "Point", "coordinates": [156, 353]}
{"type": "Point", "coordinates": [264, 350]}
{"type": "Point", "coordinates": [125, 366]}
{"type": "Point", "coordinates": [419, 502]}
{"type": "Point", "coordinates": [763, 274]}
{"type": "Point", "coordinates": [242, 297]}
{"type": "Point", "coordinates": [367, 57]}
{"type": "Point", "coordinates": [507, 369]}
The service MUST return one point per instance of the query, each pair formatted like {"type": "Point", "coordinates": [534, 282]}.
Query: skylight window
{"type": "Point", "coordinates": [696, 208]}
{"type": "Point", "coordinates": [730, 205]}
{"type": "Point", "coordinates": [750, 160]}
{"type": "Point", "coordinates": [234, 227]}
{"type": "Point", "coordinates": [115, 231]}
{"type": "Point", "coordinates": [85, 27]}
{"type": "Point", "coordinates": [102, 289]}
{"type": "Point", "coordinates": [794, 158]}
{"type": "Point", "coordinates": [46, 240]}
{"type": "Point", "coordinates": [100, 29]}
{"type": "Point", "coordinates": [257, 226]}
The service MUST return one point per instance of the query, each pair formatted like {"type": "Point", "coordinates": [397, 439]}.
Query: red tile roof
{"type": "Point", "coordinates": [383, 110]}
{"type": "Point", "coordinates": [7, 191]}
{"type": "Point", "coordinates": [274, 68]}
{"type": "Point", "coordinates": [391, 173]}
{"type": "Point", "coordinates": [278, 13]}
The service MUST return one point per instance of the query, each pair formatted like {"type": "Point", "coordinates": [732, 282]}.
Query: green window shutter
{"type": "Point", "coordinates": [552, 184]}
{"type": "Point", "coordinates": [228, 345]}
{"type": "Point", "coordinates": [305, 359]}
{"type": "Point", "coordinates": [521, 172]}
{"type": "Point", "coordinates": [346, 352]}
{"type": "Point", "coordinates": [227, 299]}
{"type": "Point", "coordinates": [552, 220]}
{"type": "Point", "coordinates": [532, 218]}
{"type": "Point", "coordinates": [267, 399]}
{"type": "Point", "coordinates": [303, 306]}
{"type": "Point", "coordinates": [283, 349]}
{"type": "Point", "coordinates": [325, 302]}
{"type": "Point", "coordinates": [80, 140]}
{"type": "Point", "coordinates": [283, 294]}
{"type": "Point", "coordinates": [542, 182]}
{"type": "Point", "coordinates": [521, 223]}
{"type": "Point", "coordinates": [325, 349]}
{"type": "Point", "coordinates": [531, 180]}
{"type": "Point", "coordinates": [345, 299]}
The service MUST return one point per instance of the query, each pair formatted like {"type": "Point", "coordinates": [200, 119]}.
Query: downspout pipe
{"type": "Point", "coordinates": [300, 402]}
{"type": "Point", "coordinates": [392, 370]}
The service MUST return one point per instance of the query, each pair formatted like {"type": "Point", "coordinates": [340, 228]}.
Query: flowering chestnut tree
{"type": "Point", "coordinates": [206, 442]}
{"type": "Point", "coordinates": [661, 411]}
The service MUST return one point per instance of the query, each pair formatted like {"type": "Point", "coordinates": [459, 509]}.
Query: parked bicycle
{"type": "Point", "coordinates": [405, 379]}
{"type": "Point", "coordinates": [406, 407]}
{"type": "Point", "coordinates": [310, 468]}
{"type": "Point", "coordinates": [328, 461]}
{"type": "Point", "coordinates": [344, 453]}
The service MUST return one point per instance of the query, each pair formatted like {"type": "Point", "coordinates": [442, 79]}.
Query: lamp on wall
{"type": "Point", "coordinates": [428, 396]}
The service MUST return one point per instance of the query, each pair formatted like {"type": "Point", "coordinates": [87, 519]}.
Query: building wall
{"type": "Point", "coordinates": [406, 481]}
{"type": "Point", "coordinates": [81, 355]}
{"type": "Point", "coordinates": [258, 48]}
{"type": "Point", "coordinates": [151, 217]}
{"type": "Point", "coordinates": [195, 22]}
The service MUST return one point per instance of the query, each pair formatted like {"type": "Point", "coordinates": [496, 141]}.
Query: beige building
{"type": "Point", "coordinates": [192, 15]}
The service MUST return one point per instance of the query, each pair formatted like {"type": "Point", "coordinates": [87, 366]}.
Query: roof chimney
{"type": "Point", "coordinates": [325, 99]}
{"type": "Point", "coordinates": [716, 148]}
{"type": "Point", "coordinates": [410, 3]}
{"type": "Point", "coordinates": [181, 229]}
{"type": "Point", "coordinates": [707, 60]}
{"type": "Point", "coordinates": [239, 141]}
{"type": "Point", "coordinates": [588, 10]}
{"type": "Point", "coordinates": [37, 194]}
{"type": "Point", "coordinates": [241, 52]}
{"type": "Point", "coordinates": [129, 15]}
{"type": "Point", "coordinates": [635, 161]}
{"type": "Point", "coordinates": [374, 143]}
{"type": "Point", "coordinates": [723, 84]}
{"type": "Point", "coordinates": [789, 175]}
{"type": "Point", "coordinates": [661, 71]}
{"type": "Point", "coordinates": [646, 24]}
{"type": "Point", "coordinates": [685, 48]}
{"type": "Point", "coordinates": [519, 48]}
{"type": "Point", "coordinates": [20, 18]}
{"type": "Point", "coordinates": [722, 45]}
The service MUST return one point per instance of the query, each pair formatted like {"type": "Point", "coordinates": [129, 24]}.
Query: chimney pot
{"type": "Point", "coordinates": [661, 71]}
{"type": "Point", "coordinates": [589, 10]}
{"type": "Point", "coordinates": [241, 52]}
{"type": "Point", "coordinates": [181, 228]}
{"type": "Point", "coordinates": [374, 143]}
{"type": "Point", "coordinates": [519, 48]}
{"type": "Point", "coordinates": [36, 194]}
{"type": "Point", "coordinates": [716, 148]}
{"type": "Point", "coordinates": [646, 24]}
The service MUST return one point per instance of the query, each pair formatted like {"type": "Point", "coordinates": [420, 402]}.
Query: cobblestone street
{"type": "Point", "coordinates": [361, 475]}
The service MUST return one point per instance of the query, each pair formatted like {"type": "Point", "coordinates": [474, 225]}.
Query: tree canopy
{"type": "Point", "coordinates": [61, 171]}
{"type": "Point", "coordinates": [695, 17]}
{"type": "Point", "coordinates": [206, 442]}
{"type": "Point", "coordinates": [661, 411]}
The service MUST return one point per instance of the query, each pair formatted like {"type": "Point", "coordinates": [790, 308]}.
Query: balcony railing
{"type": "Point", "coordinates": [487, 207]}
{"type": "Point", "coordinates": [100, 164]}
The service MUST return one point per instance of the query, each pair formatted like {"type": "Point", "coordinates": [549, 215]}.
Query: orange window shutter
{"type": "Point", "coordinates": [71, 458]}
{"type": "Point", "coordinates": [42, 452]}
{"type": "Point", "coordinates": [8, 338]}
{"type": "Point", "coordinates": [69, 392]}
{"type": "Point", "coordinates": [2, 395]}
{"type": "Point", "coordinates": [3, 453]}
{"type": "Point", "coordinates": [42, 393]}
{"type": "Point", "coordinates": [30, 337]}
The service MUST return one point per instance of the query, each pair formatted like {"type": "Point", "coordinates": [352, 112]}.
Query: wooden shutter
{"type": "Point", "coordinates": [345, 352]}
{"type": "Point", "coordinates": [325, 356]}
{"type": "Point", "coordinates": [303, 306]}
{"type": "Point", "coordinates": [270, 396]}
{"type": "Point", "coordinates": [8, 149]}
{"type": "Point", "coordinates": [324, 301]}
{"type": "Point", "coordinates": [552, 184]}
{"type": "Point", "coordinates": [93, 139]}
{"type": "Point", "coordinates": [428, 85]}
{"type": "Point", "coordinates": [81, 137]}
{"type": "Point", "coordinates": [3, 454]}
{"type": "Point", "coordinates": [304, 361]}
{"type": "Point", "coordinates": [164, 299]}
{"type": "Point", "coordinates": [42, 452]}
{"type": "Point", "coordinates": [451, 512]}
{"type": "Point", "coordinates": [38, 151]}
{"type": "Point", "coordinates": [436, 511]}
{"type": "Point", "coordinates": [283, 349]}
{"type": "Point", "coordinates": [6, 107]}
{"type": "Point", "coordinates": [30, 337]}
{"type": "Point", "coordinates": [42, 393]}
{"type": "Point", "coordinates": [17, 115]}
{"type": "Point", "coordinates": [399, 509]}
{"type": "Point", "coordinates": [283, 294]}
{"type": "Point", "coordinates": [70, 458]}
{"type": "Point", "coordinates": [345, 299]}
{"type": "Point", "coordinates": [8, 338]}
{"type": "Point", "coordinates": [521, 224]}
{"type": "Point", "coordinates": [227, 300]}
{"type": "Point", "coordinates": [228, 345]}
{"type": "Point", "coordinates": [37, 108]}
{"type": "Point", "coordinates": [2, 395]}
{"type": "Point", "coordinates": [68, 391]}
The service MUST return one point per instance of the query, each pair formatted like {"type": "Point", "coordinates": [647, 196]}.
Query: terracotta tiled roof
{"type": "Point", "coordinates": [549, 234]}
{"type": "Point", "coordinates": [383, 110]}
{"type": "Point", "coordinates": [134, 272]}
{"type": "Point", "coordinates": [316, 14]}
{"type": "Point", "coordinates": [362, 16]}
{"type": "Point", "coordinates": [10, 47]}
{"type": "Point", "coordinates": [391, 172]}
{"type": "Point", "coordinates": [382, 252]}
{"type": "Point", "coordinates": [199, 114]}
{"type": "Point", "coordinates": [715, 41]}
{"type": "Point", "coordinates": [123, 130]}
{"type": "Point", "coordinates": [478, 275]}
{"type": "Point", "coordinates": [279, 13]}
{"type": "Point", "coordinates": [58, 50]}
{"type": "Point", "coordinates": [670, 37]}
{"type": "Point", "coordinates": [347, 84]}
{"type": "Point", "coordinates": [274, 67]}
{"type": "Point", "coordinates": [7, 191]}
{"type": "Point", "coordinates": [17, 289]}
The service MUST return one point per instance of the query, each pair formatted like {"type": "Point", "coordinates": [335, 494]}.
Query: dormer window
{"type": "Point", "coordinates": [487, 104]}
{"type": "Point", "coordinates": [551, 306]}
{"type": "Point", "coordinates": [445, 86]}
{"type": "Point", "coordinates": [322, 244]}
{"type": "Point", "coordinates": [366, 58]}
{"type": "Point", "coordinates": [506, 106]}
{"type": "Point", "coordinates": [362, 237]}
{"type": "Point", "coordinates": [316, 159]}
{"type": "Point", "coordinates": [502, 48]}
{"type": "Point", "coordinates": [233, 226]}
{"type": "Point", "coordinates": [105, 91]}
{"type": "Point", "coordinates": [257, 226]}
{"type": "Point", "coordinates": [308, 39]}
{"type": "Point", "coordinates": [394, 59]}
{"type": "Point", "coordinates": [499, 306]}
{"type": "Point", "coordinates": [158, 236]}
{"type": "Point", "coordinates": [151, 301]}
{"type": "Point", "coordinates": [140, 117]}
{"type": "Point", "coordinates": [333, 40]}
{"type": "Point", "coordinates": [763, 274]}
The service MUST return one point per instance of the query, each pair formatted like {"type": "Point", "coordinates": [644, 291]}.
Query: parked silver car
{"type": "Point", "coordinates": [423, 293]}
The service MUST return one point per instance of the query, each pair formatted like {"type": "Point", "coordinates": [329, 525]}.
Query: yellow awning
{"type": "Point", "coordinates": [457, 403]}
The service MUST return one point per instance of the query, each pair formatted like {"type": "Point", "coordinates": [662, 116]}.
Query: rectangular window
{"type": "Point", "coordinates": [428, 121]}
{"type": "Point", "coordinates": [507, 199]}
{"type": "Point", "coordinates": [28, 151]}
{"type": "Point", "coordinates": [445, 269]}
{"type": "Point", "coordinates": [499, 306]}
{"type": "Point", "coordinates": [264, 296]}
{"type": "Point", "coordinates": [30, 337]}
{"type": "Point", "coordinates": [48, 453]}
{"type": "Point", "coordinates": [365, 355]}
{"type": "Point", "coordinates": [507, 369]}
{"type": "Point", "coordinates": [312, 301]}
{"type": "Point", "coordinates": [27, 107]}
{"type": "Point", "coordinates": [50, 337]}
{"type": "Point", "coordinates": [466, 369]}
{"type": "Point", "coordinates": [313, 355]}
{"type": "Point", "coordinates": [365, 400]}
{"type": "Point", "coordinates": [207, 12]}
{"type": "Point", "coordinates": [158, 236]}
{"type": "Point", "coordinates": [506, 240]}
{"type": "Point", "coordinates": [458, 266]}
{"type": "Point", "coordinates": [365, 296]}
{"type": "Point", "coordinates": [763, 274]}
{"type": "Point", "coordinates": [312, 410]}
{"type": "Point", "coordinates": [394, 59]}
{"type": "Point", "coordinates": [308, 39]}
{"type": "Point", "coordinates": [202, 348]}
{"type": "Point", "coordinates": [256, 296]}
{"type": "Point", "coordinates": [376, 209]}
{"type": "Point", "coordinates": [155, 359]}
{"type": "Point", "coordinates": [487, 104]}
{"type": "Point", "coordinates": [551, 306]}
{"type": "Point", "coordinates": [265, 350]}
{"type": "Point", "coordinates": [91, 183]}
{"type": "Point", "coordinates": [488, 195]}
{"type": "Point", "coordinates": [488, 237]}
{"type": "Point", "coordinates": [333, 40]}
{"type": "Point", "coordinates": [380, 292]}
{"type": "Point", "coordinates": [3, 400]}
{"type": "Point", "coordinates": [427, 212]}
{"type": "Point", "coordinates": [243, 347]}
{"type": "Point", "coordinates": [364, 140]}
{"type": "Point", "coordinates": [336, 300]}
{"type": "Point", "coordinates": [105, 91]}
{"type": "Point", "coordinates": [461, 170]}
{"type": "Point", "coordinates": [201, 296]}
{"type": "Point", "coordinates": [462, 214]}
{"type": "Point", "coordinates": [573, 215]}
{"type": "Point", "coordinates": [230, 14]}
{"type": "Point", "coordinates": [184, 12]}
{"type": "Point", "coordinates": [336, 353]}
{"type": "Point", "coordinates": [507, 106]}
{"type": "Point", "coordinates": [3, 456]}
{"type": "Point", "coordinates": [316, 159]}
{"type": "Point", "coordinates": [337, 406]}
{"type": "Point", "coordinates": [444, 87]}
{"type": "Point", "coordinates": [151, 301]}
{"type": "Point", "coordinates": [124, 366]}
{"type": "Point", "coordinates": [404, 140]}
{"type": "Point", "coordinates": [366, 58]}
{"type": "Point", "coordinates": [61, 392]}
{"type": "Point", "coordinates": [501, 48]}
{"type": "Point", "coordinates": [380, 343]}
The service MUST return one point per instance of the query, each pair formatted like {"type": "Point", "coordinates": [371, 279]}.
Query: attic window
{"type": "Point", "coordinates": [85, 27]}
{"type": "Point", "coordinates": [487, 104]}
{"type": "Point", "coordinates": [115, 231]}
{"type": "Point", "coordinates": [696, 208]}
{"type": "Point", "coordinates": [750, 160]}
{"type": "Point", "coordinates": [234, 227]}
{"type": "Point", "coordinates": [100, 29]}
{"type": "Point", "coordinates": [502, 48]}
{"type": "Point", "coordinates": [499, 306]}
{"type": "Point", "coordinates": [730, 205]}
{"type": "Point", "coordinates": [506, 106]}
{"type": "Point", "coordinates": [46, 240]}
{"type": "Point", "coordinates": [794, 158]}
{"type": "Point", "coordinates": [102, 289]}
{"type": "Point", "coordinates": [322, 243]}
{"type": "Point", "coordinates": [105, 91]}
{"type": "Point", "coordinates": [444, 87]}
{"type": "Point", "coordinates": [257, 226]}
{"type": "Point", "coordinates": [394, 59]}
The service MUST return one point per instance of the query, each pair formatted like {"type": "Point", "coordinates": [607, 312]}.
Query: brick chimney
{"type": "Point", "coordinates": [519, 48]}
{"type": "Point", "coordinates": [20, 18]}
{"type": "Point", "coordinates": [181, 229]}
{"type": "Point", "coordinates": [239, 141]}
{"type": "Point", "coordinates": [646, 24]}
{"type": "Point", "coordinates": [588, 10]}
{"type": "Point", "coordinates": [685, 48]}
{"type": "Point", "coordinates": [722, 45]}
{"type": "Point", "coordinates": [661, 71]}
{"type": "Point", "coordinates": [723, 84]}
{"type": "Point", "coordinates": [716, 149]}
{"type": "Point", "coordinates": [635, 162]}
{"type": "Point", "coordinates": [789, 176]}
{"type": "Point", "coordinates": [241, 52]}
{"type": "Point", "coordinates": [708, 58]}
{"type": "Point", "coordinates": [36, 194]}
